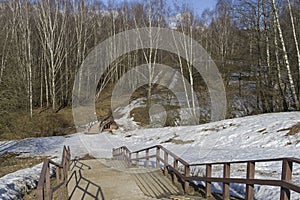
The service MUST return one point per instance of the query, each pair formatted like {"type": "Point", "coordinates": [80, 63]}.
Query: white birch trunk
{"type": "Point", "coordinates": [296, 42]}
{"type": "Point", "coordinates": [287, 63]}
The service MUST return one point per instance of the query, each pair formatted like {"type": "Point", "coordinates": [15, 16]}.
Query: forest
{"type": "Point", "coordinates": [254, 43]}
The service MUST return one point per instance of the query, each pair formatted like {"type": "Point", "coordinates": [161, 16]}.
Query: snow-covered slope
{"type": "Point", "coordinates": [254, 137]}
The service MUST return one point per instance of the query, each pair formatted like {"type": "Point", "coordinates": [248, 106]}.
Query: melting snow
{"type": "Point", "coordinates": [254, 137]}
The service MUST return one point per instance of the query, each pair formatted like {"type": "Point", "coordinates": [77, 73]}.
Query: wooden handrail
{"type": "Point", "coordinates": [180, 169]}
{"type": "Point", "coordinates": [44, 190]}
{"type": "Point", "coordinates": [295, 160]}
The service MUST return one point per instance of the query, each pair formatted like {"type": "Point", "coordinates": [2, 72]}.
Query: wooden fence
{"type": "Point", "coordinates": [158, 156]}
{"type": "Point", "coordinates": [45, 190]}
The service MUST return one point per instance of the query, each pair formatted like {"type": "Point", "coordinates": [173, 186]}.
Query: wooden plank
{"type": "Point", "coordinates": [187, 174]}
{"type": "Point", "coordinates": [144, 157]}
{"type": "Point", "coordinates": [286, 175]}
{"type": "Point", "coordinates": [157, 157]}
{"type": "Point", "coordinates": [238, 180]}
{"type": "Point", "coordinates": [166, 163]}
{"type": "Point", "coordinates": [147, 158]}
{"type": "Point", "coordinates": [226, 187]}
{"type": "Point", "coordinates": [48, 186]}
{"type": "Point", "coordinates": [175, 166]}
{"type": "Point", "coordinates": [250, 175]}
{"type": "Point", "coordinates": [137, 159]}
{"type": "Point", "coordinates": [208, 183]}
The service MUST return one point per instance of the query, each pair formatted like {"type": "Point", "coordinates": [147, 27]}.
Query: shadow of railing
{"type": "Point", "coordinates": [83, 187]}
{"type": "Point", "coordinates": [76, 164]}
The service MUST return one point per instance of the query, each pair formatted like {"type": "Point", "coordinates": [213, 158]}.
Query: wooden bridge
{"type": "Point", "coordinates": [139, 175]}
{"type": "Point", "coordinates": [113, 179]}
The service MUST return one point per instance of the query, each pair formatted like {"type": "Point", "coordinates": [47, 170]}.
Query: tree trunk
{"type": "Point", "coordinates": [296, 44]}
{"type": "Point", "coordinates": [287, 63]}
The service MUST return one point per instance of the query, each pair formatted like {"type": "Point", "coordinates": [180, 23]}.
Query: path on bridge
{"type": "Point", "coordinates": [112, 180]}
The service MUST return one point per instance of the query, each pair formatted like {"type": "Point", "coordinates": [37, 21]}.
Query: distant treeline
{"type": "Point", "coordinates": [44, 42]}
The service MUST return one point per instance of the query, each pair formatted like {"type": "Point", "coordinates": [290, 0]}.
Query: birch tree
{"type": "Point", "coordinates": [26, 35]}
{"type": "Point", "coordinates": [154, 14]}
{"type": "Point", "coordinates": [296, 42]}
{"type": "Point", "coordinates": [51, 22]}
{"type": "Point", "coordinates": [278, 69]}
{"type": "Point", "coordinates": [285, 56]}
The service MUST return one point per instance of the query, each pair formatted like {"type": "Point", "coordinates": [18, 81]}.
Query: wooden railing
{"type": "Point", "coordinates": [45, 190]}
{"type": "Point", "coordinates": [159, 157]}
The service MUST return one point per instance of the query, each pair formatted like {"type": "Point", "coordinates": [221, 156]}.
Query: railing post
{"type": "Point", "coordinates": [286, 175]}
{"type": "Point", "coordinates": [126, 155]}
{"type": "Point", "coordinates": [226, 174]}
{"type": "Point", "coordinates": [208, 183]}
{"type": "Point", "coordinates": [147, 158]}
{"type": "Point", "coordinates": [123, 154]}
{"type": "Point", "coordinates": [68, 158]}
{"type": "Point", "coordinates": [186, 174]}
{"type": "Point", "coordinates": [250, 175]}
{"type": "Point", "coordinates": [165, 163]}
{"type": "Point", "coordinates": [58, 182]}
{"type": "Point", "coordinates": [57, 175]}
{"type": "Point", "coordinates": [176, 169]}
{"type": "Point", "coordinates": [48, 186]}
{"type": "Point", "coordinates": [129, 161]}
{"type": "Point", "coordinates": [40, 193]}
{"type": "Point", "coordinates": [137, 159]}
{"type": "Point", "coordinates": [157, 157]}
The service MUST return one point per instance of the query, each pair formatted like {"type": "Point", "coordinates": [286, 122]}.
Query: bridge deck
{"type": "Point", "coordinates": [111, 179]}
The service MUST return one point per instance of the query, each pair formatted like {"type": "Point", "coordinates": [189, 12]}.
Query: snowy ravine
{"type": "Point", "coordinates": [254, 137]}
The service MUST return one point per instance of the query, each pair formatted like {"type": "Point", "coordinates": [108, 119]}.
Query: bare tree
{"type": "Point", "coordinates": [51, 22]}
{"type": "Point", "coordinates": [278, 68]}
{"type": "Point", "coordinates": [295, 40]}
{"type": "Point", "coordinates": [26, 32]}
{"type": "Point", "coordinates": [286, 59]}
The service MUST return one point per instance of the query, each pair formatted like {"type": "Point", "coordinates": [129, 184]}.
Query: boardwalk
{"type": "Point", "coordinates": [111, 179]}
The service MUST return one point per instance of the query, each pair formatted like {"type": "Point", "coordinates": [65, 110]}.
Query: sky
{"type": "Point", "coordinates": [198, 5]}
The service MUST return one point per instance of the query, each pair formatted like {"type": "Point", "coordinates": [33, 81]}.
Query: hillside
{"type": "Point", "coordinates": [255, 137]}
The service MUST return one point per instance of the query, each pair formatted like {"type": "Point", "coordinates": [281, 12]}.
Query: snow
{"type": "Point", "coordinates": [253, 137]}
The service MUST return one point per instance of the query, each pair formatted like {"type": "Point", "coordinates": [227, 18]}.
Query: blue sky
{"type": "Point", "coordinates": [198, 6]}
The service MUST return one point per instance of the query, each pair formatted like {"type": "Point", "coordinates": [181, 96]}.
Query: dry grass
{"type": "Point", "coordinates": [10, 162]}
{"type": "Point", "coordinates": [294, 129]}
{"type": "Point", "coordinates": [178, 141]}
{"type": "Point", "coordinates": [43, 123]}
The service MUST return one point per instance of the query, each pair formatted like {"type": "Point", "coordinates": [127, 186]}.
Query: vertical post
{"type": "Point", "coordinates": [286, 175]}
{"type": "Point", "coordinates": [48, 186]}
{"type": "Point", "coordinates": [147, 158]}
{"type": "Point", "coordinates": [63, 158]}
{"type": "Point", "coordinates": [186, 174]}
{"type": "Point", "coordinates": [130, 159]}
{"type": "Point", "coordinates": [250, 175]}
{"type": "Point", "coordinates": [226, 174]}
{"type": "Point", "coordinates": [127, 155]}
{"type": "Point", "coordinates": [157, 157]}
{"type": "Point", "coordinates": [40, 193]}
{"type": "Point", "coordinates": [57, 175]}
{"type": "Point", "coordinates": [165, 163]}
{"type": "Point", "coordinates": [176, 169]}
{"type": "Point", "coordinates": [208, 183]}
{"type": "Point", "coordinates": [69, 157]}
{"type": "Point", "coordinates": [137, 159]}
{"type": "Point", "coordinates": [57, 182]}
